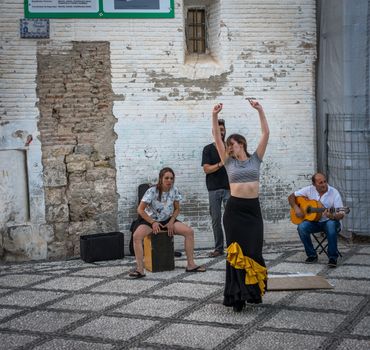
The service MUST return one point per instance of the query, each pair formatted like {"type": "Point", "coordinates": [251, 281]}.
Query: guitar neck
{"type": "Point", "coordinates": [331, 210]}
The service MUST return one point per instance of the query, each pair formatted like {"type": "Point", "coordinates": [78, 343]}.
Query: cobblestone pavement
{"type": "Point", "coordinates": [75, 305]}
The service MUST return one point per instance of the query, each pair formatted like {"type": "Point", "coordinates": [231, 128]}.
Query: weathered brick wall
{"type": "Point", "coordinates": [258, 49]}
{"type": "Point", "coordinates": [76, 131]}
{"type": "Point", "coordinates": [264, 50]}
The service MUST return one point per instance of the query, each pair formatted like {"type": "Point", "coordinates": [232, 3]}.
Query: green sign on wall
{"type": "Point", "coordinates": [99, 9]}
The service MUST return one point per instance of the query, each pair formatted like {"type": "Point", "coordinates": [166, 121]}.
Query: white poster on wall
{"type": "Point", "coordinates": [63, 6]}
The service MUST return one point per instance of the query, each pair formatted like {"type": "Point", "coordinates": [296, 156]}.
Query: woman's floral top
{"type": "Point", "coordinates": [163, 209]}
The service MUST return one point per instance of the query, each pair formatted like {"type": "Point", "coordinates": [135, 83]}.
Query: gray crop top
{"type": "Point", "coordinates": [243, 170]}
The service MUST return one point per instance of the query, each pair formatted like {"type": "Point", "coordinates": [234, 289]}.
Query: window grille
{"type": "Point", "coordinates": [196, 31]}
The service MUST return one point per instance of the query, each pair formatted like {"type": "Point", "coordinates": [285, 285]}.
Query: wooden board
{"type": "Point", "coordinates": [297, 282]}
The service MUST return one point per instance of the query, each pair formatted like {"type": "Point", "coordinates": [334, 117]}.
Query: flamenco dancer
{"type": "Point", "coordinates": [246, 273]}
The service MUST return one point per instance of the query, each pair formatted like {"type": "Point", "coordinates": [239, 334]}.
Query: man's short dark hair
{"type": "Point", "coordinates": [221, 122]}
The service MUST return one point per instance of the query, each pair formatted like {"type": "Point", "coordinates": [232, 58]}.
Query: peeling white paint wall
{"type": "Point", "coordinates": [260, 49]}
{"type": "Point", "coordinates": [13, 176]}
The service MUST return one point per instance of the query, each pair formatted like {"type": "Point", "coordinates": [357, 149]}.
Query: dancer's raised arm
{"type": "Point", "coordinates": [217, 134]}
{"type": "Point", "coordinates": [264, 129]}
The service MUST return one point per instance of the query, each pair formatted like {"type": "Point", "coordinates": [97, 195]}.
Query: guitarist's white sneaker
{"type": "Point", "coordinates": [311, 260]}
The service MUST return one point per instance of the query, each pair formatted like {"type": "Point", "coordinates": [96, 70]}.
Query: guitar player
{"type": "Point", "coordinates": [329, 221]}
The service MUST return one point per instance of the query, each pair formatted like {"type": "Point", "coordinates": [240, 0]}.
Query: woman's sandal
{"type": "Point", "coordinates": [196, 269]}
{"type": "Point", "coordinates": [136, 274]}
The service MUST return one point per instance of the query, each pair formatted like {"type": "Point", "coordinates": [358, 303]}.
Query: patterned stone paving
{"type": "Point", "coordinates": [75, 305]}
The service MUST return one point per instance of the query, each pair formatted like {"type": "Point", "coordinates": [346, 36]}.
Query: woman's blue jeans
{"type": "Point", "coordinates": [330, 227]}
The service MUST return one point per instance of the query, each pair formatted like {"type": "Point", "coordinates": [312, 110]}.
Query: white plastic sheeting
{"type": "Point", "coordinates": [343, 95]}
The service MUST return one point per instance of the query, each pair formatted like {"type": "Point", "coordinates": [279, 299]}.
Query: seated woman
{"type": "Point", "coordinates": [158, 210]}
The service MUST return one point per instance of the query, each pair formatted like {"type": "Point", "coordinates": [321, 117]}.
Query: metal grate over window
{"type": "Point", "coordinates": [196, 31]}
{"type": "Point", "coordinates": [349, 166]}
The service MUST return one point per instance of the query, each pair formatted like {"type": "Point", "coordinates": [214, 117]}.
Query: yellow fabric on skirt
{"type": "Point", "coordinates": [255, 273]}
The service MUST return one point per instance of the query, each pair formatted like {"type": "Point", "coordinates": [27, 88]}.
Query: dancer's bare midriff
{"type": "Point", "coordinates": [245, 189]}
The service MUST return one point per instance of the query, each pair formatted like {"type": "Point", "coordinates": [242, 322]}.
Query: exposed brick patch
{"type": "Point", "coordinates": [76, 130]}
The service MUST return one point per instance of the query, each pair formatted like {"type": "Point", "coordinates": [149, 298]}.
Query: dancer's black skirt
{"type": "Point", "coordinates": [246, 274]}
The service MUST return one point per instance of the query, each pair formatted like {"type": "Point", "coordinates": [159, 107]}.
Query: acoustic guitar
{"type": "Point", "coordinates": [312, 210]}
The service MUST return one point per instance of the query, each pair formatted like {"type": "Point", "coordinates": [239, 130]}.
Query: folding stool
{"type": "Point", "coordinates": [322, 243]}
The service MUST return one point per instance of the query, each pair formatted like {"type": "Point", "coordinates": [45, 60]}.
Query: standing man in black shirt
{"type": "Point", "coordinates": [218, 189]}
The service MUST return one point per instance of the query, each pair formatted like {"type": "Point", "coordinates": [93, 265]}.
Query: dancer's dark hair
{"type": "Point", "coordinates": [239, 139]}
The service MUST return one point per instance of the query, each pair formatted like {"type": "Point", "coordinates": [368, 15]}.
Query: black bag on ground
{"type": "Point", "coordinates": [140, 193]}
{"type": "Point", "coordinates": [102, 246]}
